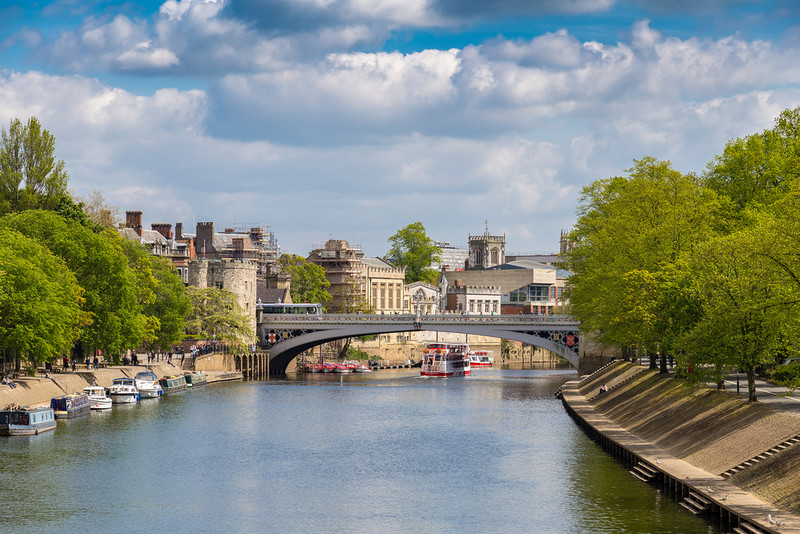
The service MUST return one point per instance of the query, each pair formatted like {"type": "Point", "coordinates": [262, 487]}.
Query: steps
{"type": "Point", "coordinates": [644, 472]}
{"type": "Point", "coordinates": [696, 503]}
{"type": "Point", "coordinates": [747, 528]}
{"type": "Point", "coordinates": [763, 456]}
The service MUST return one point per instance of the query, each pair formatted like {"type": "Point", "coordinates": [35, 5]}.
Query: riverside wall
{"type": "Point", "coordinates": [740, 457]}
{"type": "Point", "coordinates": [38, 390]}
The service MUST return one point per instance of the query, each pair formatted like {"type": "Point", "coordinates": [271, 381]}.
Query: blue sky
{"type": "Point", "coordinates": [352, 118]}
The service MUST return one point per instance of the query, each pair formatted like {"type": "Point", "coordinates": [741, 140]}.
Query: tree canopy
{"type": "Point", "coordinates": [30, 175]}
{"type": "Point", "coordinates": [41, 302]}
{"type": "Point", "coordinates": [412, 249]}
{"type": "Point", "coordinates": [701, 267]}
{"type": "Point", "coordinates": [217, 315]}
{"type": "Point", "coordinates": [308, 282]}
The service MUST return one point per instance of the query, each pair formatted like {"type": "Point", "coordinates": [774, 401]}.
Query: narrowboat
{"type": "Point", "coordinates": [173, 383]}
{"type": "Point", "coordinates": [147, 384]}
{"type": "Point", "coordinates": [445, 360]}
{"type": "Point", "coordinates": [195, 379]}
{"type": "Point", "coordinates": [26, 421]}
{"type": "Point", "coordinates": [123, 391]}
{"type": "Point", "coordinates": [70, 406]}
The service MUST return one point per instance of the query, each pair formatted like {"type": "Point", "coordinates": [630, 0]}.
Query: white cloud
{"type": "Point", "coordinates": [508, 131]}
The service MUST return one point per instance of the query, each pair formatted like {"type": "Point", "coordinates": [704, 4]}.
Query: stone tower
{"type": "Point", "coordinates": [486, 250]}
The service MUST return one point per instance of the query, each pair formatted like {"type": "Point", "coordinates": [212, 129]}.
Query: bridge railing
{"type": "Point", "coordinates": [564, 320]}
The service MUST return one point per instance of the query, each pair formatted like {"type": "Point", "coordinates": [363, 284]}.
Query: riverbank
{"type": "Point", "coordinates": [737, 456]}
{"type": "Point", "coordinates": [38, 390]}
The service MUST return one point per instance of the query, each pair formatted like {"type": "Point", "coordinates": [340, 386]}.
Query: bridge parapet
{"type": "Point", "coordinates": [513, 320]}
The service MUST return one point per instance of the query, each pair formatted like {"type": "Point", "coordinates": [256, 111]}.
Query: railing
{"type": "Point", "coordinates": [423, 319]}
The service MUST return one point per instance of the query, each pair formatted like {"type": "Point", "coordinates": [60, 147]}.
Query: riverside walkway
{"type": "Point", "coordinates": [735, 506]}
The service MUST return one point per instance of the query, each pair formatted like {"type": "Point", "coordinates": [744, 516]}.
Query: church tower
{"type": "Point", "coordinates": [486, 250]}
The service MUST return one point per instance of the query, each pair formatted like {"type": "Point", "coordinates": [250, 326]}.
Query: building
{"type": "Point", "coordinates": [383, 283]}
{"type": "Point", "coordinates": [525, 286]}
{"type": "Point", "coordinates": [421, 296]}
{"type": "Point", "coordinates": [486, 251]}
{"type": "Point", "coordinates": [342, 264]}
{"type": "Point", "coordinates": [233, 260]}
{"type": "Point", "coordinates": [472, 299]}
{"type": "Point", "coordinates": [451, 258]}
{"type": "Point", "coordinates": [235, 276]}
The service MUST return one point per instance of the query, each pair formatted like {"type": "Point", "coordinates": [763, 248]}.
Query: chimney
{"type": "Point", "coordinates": [178, 230]}
{"type": "Point", "coordinates": [164, 229]}
{"type": "Point", "coordinates": [133, 219]}
{"type": "Point", "coordinates": [204, 241]}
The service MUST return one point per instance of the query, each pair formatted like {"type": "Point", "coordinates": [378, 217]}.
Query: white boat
{"type": "Point", "coordinates": [98, 397]}
{"type": "Point", "coordinates": [480, 358]}
{"type": "Point", "coordinates": [147, 384]}
{"type": "Point", "coordinates": [123, 391]}
{"type": "Point", "coordinates": [445, 360]}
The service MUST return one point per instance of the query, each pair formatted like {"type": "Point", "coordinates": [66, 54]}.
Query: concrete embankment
{"type": "Point", "coordinates": [34, 391]}
{"type": "Point", "coordinates": [738, 460]}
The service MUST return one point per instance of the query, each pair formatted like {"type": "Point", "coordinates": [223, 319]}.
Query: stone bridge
{"type": "Point", "coordinates": [287, 336]}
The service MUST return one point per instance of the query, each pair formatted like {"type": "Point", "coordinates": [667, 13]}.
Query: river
{"type": "Point", "coordinates": [386, 452]}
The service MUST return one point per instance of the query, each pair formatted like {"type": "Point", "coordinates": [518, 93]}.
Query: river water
{"type": "Point", "coordinates": [386, 452]}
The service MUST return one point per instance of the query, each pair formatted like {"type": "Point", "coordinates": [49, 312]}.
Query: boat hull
{"type": "Point", "coordinates": [26, 421]}
{"type": "Point", "coordinates": [124, 398]}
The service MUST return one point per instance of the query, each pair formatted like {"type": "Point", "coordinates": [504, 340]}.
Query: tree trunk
{"type": "Point", "coordinates": [663, 370]}
{"type": "Point", "coordinates": [653, 360]}
{"type": "Point", "coordinates": [751, 384]}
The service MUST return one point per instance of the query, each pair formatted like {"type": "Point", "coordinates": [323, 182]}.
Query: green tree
{"type": "Point", "coordinates": [101, 268]}
{"type": "Point", "coordinates": [412, 249]}
{"type": "Point", "coordinates": [308, 282]}
{"type": "Point", "coordinates": [746, 311]}
{"type": "Point", "coordinates": [171, 306]}
{"type": "Point", "coordinates": [630, 237]}
{"type": "Point", "coordinates": [40, 300]}
{"type": "Point", "coordinates": [165, 304]}
{"type": "Point", "coordinates": [217, 315]}
{"type": "Point", "coordinates": [30, 176]}
{"type": "Point", "coordinates": [757, 170]}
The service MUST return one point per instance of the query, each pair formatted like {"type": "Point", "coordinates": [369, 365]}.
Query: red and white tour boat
{"type": "Point", "coordinates": [480, 358]}
{"type": "Point", "coordinates": [445, 359]}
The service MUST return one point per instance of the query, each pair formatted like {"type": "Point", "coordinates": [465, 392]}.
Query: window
{"type": "Point", "coordinates": [218, 285]}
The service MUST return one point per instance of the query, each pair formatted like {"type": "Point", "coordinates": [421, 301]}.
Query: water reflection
{"type": "Point", "coordinates": [380, 452]}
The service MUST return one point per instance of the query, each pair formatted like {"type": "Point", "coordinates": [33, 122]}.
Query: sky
{"type": "Point", "coordinates": [350, 119]}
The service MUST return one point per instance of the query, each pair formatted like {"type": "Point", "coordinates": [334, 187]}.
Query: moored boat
{"type": "Point", "coordinates": [147, 384]}
{"type": "Point", "coordinates": [123, 391]}
{"type": "Point", "coordinates": [26, 421]}
{"type": "Point", "coordinates": [445, 360]}
{"type": "Point", "coordinates": [70, 406]}
{"type": "Point", "coordinates": [195, 379]}
{"type": "Point", "coordinates": [173, 383]}
{"type": "Point", "coordinates": [480, 358]}
{"type": "Point", "coordinates": [98, 397]}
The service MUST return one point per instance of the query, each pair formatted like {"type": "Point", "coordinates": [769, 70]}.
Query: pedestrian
{"type": "Point", "coordinates": [95, 362]}
{"type": "Point", "coordinates": [66, 363]}
{"type": "Point", "coordinates": [88, 363]}
{"type": "Point", "coordinates": [74, 365]}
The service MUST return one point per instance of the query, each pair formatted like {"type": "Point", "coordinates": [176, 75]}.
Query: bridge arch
{"type": "Point", "coordinates": [288, 337]}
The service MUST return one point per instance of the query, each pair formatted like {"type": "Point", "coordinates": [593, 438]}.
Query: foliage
{"type": "Point", "coordinates": [40, 300]}
{"type": "Point", "coordinates": [630, 237]}
{"type": "Point", "coordinates": [216, 314]}
{"type": "Point", "coordinates": [101, 268]}
{"type": "Point", "coordinates": [30, 176]}
{"type": "Point", "coordinates": [99, 211]}
{"type": "Point", "coordinates": [165, 304]}
{"type": "Point", "coordinates": [412, 249]}
{"type": "Point", "coordinates": [308, 282]}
